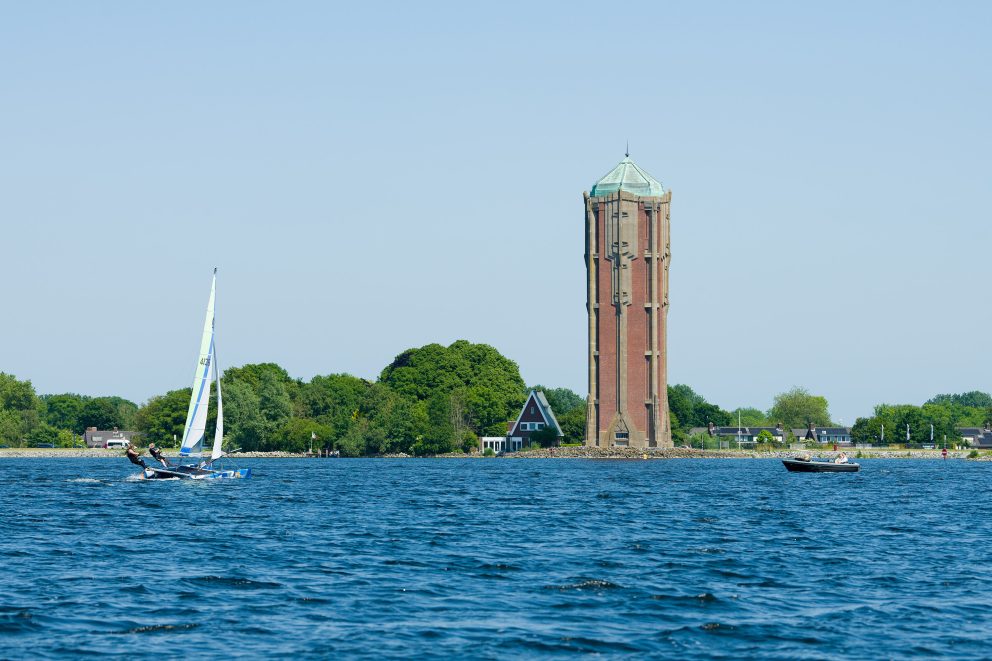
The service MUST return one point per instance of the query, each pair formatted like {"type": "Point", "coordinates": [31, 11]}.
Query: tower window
{"type": "Point", "coordinates": [621, 435]}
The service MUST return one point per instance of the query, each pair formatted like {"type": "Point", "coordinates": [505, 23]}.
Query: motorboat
{"type": "Point", "coordinates": [799, 465]}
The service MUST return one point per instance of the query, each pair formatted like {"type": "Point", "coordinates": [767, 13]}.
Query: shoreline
{"type": "Point", "coordinates": [559, 453]}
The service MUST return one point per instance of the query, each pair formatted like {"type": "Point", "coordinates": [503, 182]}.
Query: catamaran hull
{"type": "Point", "coordinates": [194, 473]}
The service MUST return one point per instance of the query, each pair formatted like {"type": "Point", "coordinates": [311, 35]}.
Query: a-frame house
{"type": "Point", "coordinates": [535, 415]}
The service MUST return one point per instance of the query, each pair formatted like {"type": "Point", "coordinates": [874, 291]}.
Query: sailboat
{"type": "Point", "coordinates": [196, 466]}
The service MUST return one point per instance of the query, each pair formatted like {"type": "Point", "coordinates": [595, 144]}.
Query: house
{"type": "Point", "coordinates": [96, 438]}
{"type": "Point", "coordinates": [826, 435]}
{"type": "Point", "coordinates": [834, 435]}
{"type": "Point", "coordinates": [976, 437]}
{"type": "Point", "coordinates": [536, 415]}
{"type": "Point", "coordinates": [747, 434]}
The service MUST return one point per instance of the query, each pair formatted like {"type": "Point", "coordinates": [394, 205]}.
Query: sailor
{"type": "Point", "coordinates": [134, 457]}
{"type": "Point", "coordinates": [157, 454]}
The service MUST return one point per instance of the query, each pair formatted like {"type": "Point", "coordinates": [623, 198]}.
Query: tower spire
{"type": "Point", "coordinates": [626, 151]}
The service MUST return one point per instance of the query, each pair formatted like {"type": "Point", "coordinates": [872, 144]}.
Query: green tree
{"type": "Point", "coordinates": [546, 437]}
{"type": "Point", "coordinates": [750, 417]}
{"type": "Point", "coordinates": [64, 411]}
{"type": "Point", "coordinates": [868, 431]}
{"type": "Point", "coordinates": [573, 425]}
{"type": "Point", "coordinates": [562, 400]}
{"type": "Point", "coordinates": [797, 408]}
{"type": "Point", "coordinates": [692, 410]}
{"type": "Point", "coordinates": [765, 437]}
{"type": "Point", "coordinates": [486, 386]}
{"type": "Point", "coordinates": [974, 399]}
{"type": "Point", "coordinates": [16, 395]}
{"type": "Point", "coordinates": [108, 413]}
{"type": "Point", "coordinates": [274, 403]}
{"type": "Point", "coordinates": [163, 418]}
{"type": "Point", "coordinates": [333, 400]}
{"type": "Point", "coordinates": [43, 434]}
{"type": "Point", "coordinates": [296, 435]}
{"type": "Point", "coordinates": [243, 422]}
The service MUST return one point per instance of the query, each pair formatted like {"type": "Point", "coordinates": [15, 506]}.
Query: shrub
{"type": "Point", "coordinates": [489, 453]}
{"type": "Point", "coordinates": [973, 454]}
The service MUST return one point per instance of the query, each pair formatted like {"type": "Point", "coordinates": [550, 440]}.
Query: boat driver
{"type": "Point", "coordinates": [157, 454]}
{"type": "Point", "coordinates": [134, 457]}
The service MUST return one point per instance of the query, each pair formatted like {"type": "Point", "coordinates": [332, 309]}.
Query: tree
{"type": "Point", "coordinates": [797, 408]}
{"type": "Point", "coordinates": [750, 417]}
{"type": "Point", "coordinates": [895, 419]}
{"type": "Point", "coordinates": [108, 413]}
{"type": "Point", "coordinates": [16, 395]}
{"type": "Point", "coordinates": [274, 403]}
{"type": "Point", "coordinates": [765, 437]}
{"type": "Point", "coordinates": [692, 410]}
{"type": "Point", "coordinates": [163, 418]}
{"type": "Point", "coordinates": [546, 437]}
{"type": "Point", "coordinates": [333, 400]}
{"type": "Point", "coordinates": [440, 436]}
{"type": "Point", "coordinates": [974, 399]}
{"type": "Point", "coordinates": [489, 387]}
{"type": "Point", "coordinates": [296, 435]}
{"type": "Point", "coordinates": [255, 374]}
{"type": "Point", "coordinates": [242, 418]}
{"type": "Point", "coordinates": [562, 400]}
{"type": "Point", "coordinates": [63, 411]}
{"type": "Point", "coordinates": [573, 425]}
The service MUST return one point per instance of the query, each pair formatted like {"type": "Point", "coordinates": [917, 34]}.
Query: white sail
{"type": "Point", "coordinates": [196, 415]}
{"type": "Point", "coordinates": [219, 432]}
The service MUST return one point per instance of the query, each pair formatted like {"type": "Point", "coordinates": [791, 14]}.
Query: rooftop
{"type": "Point", "coordinates": [628, 176]}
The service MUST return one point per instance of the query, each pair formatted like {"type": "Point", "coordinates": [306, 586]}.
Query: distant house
{"type": "Point", "coordinates": [976, 437]}
{"type": "Point", "coordinates": [96, 438]}
{"type": "Point", "coordinates": [535, 415]}
{"type": "Point", "coordinates": [826, 435]}
{"type": "Point", "coordinates": [747, 434]}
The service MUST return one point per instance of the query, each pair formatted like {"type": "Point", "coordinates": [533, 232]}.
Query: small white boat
{"type": "Point", "coordinates": [201, 468]}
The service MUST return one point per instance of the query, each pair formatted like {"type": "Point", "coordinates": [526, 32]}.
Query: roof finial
{"type": "Point", "coordinates": [626, 152]}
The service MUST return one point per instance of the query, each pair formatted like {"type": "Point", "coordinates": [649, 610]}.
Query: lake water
{"type": "Point", "coordinates": [686, 559]}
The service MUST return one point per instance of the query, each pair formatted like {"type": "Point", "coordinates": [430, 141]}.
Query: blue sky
{"type": "Point", "coordinates": [370, 177]}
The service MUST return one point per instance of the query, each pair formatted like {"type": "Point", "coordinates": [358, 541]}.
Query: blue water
{"type": "Point", "coordinates": [681, 559]}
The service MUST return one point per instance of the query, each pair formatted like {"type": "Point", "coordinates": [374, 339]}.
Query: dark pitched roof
{"type": "Point", "coordinates": [545, 409]}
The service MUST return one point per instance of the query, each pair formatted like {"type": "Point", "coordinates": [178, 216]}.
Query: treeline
{"type": "Point", "coordinates": [429, 400]}
{"type": "Point", "coordinates": [945, 412]}
{"type": "Point", "coordinates": [793, 409]}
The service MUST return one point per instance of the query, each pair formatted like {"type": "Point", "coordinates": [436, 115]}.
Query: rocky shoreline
{"type": "Point", "coordinates": [545, 453]}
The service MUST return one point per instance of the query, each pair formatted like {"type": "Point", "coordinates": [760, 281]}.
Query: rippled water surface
{"type": "Point", "coordinates": [498, 558]}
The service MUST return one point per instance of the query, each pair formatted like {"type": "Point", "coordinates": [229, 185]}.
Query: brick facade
{"type": "Point", "coordinates": [627, 257]}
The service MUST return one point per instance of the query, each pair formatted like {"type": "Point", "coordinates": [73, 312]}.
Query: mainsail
{"type": "Point", "coordinates": [196, 415]}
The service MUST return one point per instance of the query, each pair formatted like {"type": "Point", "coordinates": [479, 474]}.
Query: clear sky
{"type": "Point", "coordinates": [370, 177]}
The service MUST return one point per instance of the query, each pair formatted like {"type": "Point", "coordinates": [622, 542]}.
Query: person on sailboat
{"type": "Point", "coordinates": [134, 457]}
{"type": "Point", "coordinates": [157, 454]}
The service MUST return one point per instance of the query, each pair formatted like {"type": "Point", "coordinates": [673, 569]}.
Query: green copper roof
{"type": "Point", "coordinates": [629, 177]}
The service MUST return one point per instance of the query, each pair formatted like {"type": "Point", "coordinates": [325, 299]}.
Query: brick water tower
{"type": "Point", "coordinates": [627, 255]}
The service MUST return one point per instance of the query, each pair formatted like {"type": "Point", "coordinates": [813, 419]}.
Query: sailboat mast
{"type": "Point", "coordinates": [216, 451]}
